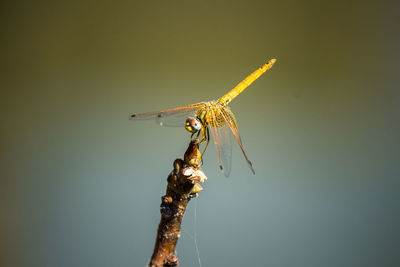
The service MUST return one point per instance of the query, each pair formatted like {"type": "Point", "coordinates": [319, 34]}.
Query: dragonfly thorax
{"type": "Point", "coordinates": [215, 115]}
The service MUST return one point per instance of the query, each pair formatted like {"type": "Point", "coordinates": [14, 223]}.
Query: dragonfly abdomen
{"type": "Point", "coordinates": [224, 100]}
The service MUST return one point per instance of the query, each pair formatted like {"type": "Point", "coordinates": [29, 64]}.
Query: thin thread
{"type": "Point", "coordinates": [194, 236]}
{"type": "Point", "coordinates": [195, 231]}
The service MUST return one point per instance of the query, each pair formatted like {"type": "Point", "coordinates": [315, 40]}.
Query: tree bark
{"type": "Point", "coordinates": [183, 184]}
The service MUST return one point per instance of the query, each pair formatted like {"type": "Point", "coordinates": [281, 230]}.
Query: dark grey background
{"type": "Point", "coordinates": [81, 185]}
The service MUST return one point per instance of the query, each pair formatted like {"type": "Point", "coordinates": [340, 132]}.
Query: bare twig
{"type": "Point", "coordinates": [183, 184]}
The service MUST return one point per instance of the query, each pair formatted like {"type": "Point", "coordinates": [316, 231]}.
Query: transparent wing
{"type": "Point", "coordinates": [222, 138]}
{"type": "Point", "coordinates": [169, 117]}
{"type": "Point", "coordinates": [231, 121]}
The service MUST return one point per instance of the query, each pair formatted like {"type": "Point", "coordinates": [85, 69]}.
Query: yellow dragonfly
{"type": "Point", "coordinates": [212, 115]}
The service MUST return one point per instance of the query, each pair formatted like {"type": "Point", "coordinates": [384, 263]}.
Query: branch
{"type": "Point", "coordinates": [183, 184]}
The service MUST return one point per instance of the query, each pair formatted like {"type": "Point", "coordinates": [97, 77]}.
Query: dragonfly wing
{"type": "Point", "coordinates": [231, 121]}
{"type": "Point", "coordinates": [175, 117]}
{"type": "Point", "coordinates": [222, 138]}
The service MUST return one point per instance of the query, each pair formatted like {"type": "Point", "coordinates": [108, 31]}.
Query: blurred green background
{"type": "Point", "coordinates": [81, 185]}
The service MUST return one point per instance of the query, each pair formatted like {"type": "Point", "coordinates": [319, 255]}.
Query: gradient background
{"type": "Point", "coordinates": [81, 185]}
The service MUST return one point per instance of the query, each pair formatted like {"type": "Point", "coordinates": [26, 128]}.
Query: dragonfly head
{"type": "Point", "coordinates": [193, 125]}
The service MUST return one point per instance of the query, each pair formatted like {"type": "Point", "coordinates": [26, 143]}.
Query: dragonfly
{"type": "Point", "coordinates": [214, 116]}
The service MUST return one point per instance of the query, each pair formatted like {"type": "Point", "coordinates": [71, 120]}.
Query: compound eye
{"type": "Point", "coordinates": [193, 125]}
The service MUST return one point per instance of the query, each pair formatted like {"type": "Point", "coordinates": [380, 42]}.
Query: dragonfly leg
{"type": "Point", "coordinates": [197, 138]}
{"type": "Point", "coordinates": [201, 136]}
{"type": "Point", "coordinates": [207, 137]}
{"type": "Point", "coordinates": [204, 131]}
